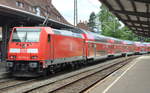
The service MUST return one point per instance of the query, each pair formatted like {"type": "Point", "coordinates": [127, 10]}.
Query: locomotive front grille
{"type": "Point", "coordinates": [23, 66]}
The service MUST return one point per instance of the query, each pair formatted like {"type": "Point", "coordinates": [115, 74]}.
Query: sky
{"type": "Point", "coordinates": [85, 7]}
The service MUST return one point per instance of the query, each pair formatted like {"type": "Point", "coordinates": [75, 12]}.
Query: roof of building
{"type": "Point", "coordinates": [18, 14]}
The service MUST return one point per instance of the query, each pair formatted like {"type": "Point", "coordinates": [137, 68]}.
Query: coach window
{"type": "Point", "coordinates": [49, 38]}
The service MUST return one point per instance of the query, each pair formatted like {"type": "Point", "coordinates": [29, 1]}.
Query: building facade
{"type": "Point", "coordinates": [38, 7]}
{"type": "Point", "coordinates": [83, 25]}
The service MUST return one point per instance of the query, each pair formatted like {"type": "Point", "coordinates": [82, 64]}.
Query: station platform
{"type": "Point", "coordinates": [132, 78]}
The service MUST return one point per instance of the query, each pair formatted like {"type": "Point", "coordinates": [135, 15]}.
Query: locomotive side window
{"type": "Point", "coordinates": [26, 35]}
{"type": "Point", "coordinates": [49, 38]}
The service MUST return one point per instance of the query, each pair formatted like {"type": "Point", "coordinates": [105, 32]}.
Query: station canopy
{"type": "Point", "coordinates": [133, 13]}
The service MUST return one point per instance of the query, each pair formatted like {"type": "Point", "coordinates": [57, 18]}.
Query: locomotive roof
{"type": "Point", "coordinates": [67, 33]}
{"type": "Point", "coordinates": [56, 31]}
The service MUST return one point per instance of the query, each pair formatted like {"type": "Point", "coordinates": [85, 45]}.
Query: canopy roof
{"type": "Point", "coordinates": [133, 13]}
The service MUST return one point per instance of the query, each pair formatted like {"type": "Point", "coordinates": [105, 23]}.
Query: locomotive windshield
{"type": "Point", "coordinates": [26, 35]}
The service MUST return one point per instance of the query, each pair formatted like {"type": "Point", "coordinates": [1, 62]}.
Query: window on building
{"type": "Point", "coordinates": [30, 8]}
{"type": "Point", "coordinates": [38, 11]}
{"type": "Point", "coordinates": [34, 9]}
{"type": "Point", "coordinates": [58, 18]}
{"type": "Point", "coordinates": [46, 13]}
{"type": "Point", "coordinates": [20, 4]}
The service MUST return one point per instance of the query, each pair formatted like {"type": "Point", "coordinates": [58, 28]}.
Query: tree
{"type": "Point", "coordinates": [110, 25]}
{"type": "Point", "coordinates": [92, 23]}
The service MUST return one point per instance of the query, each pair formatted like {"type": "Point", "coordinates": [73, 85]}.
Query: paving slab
{"type": "Point", "coordinates": [133, 78]}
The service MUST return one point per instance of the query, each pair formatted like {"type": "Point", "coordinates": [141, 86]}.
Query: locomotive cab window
{"type": "Point", "coordinates": [26, 35]}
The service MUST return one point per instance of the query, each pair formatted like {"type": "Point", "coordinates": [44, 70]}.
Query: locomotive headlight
{"type": "Point", "coordinates": [12, 57]}
{"type": "Point", "coordinates": [9, 64]}
{"type": "Point", "coordinates": [33, 65]}
{"type": "Point", "coordinates": [14, 50]}
{"type": "Point", "coordinates": [32, 50]}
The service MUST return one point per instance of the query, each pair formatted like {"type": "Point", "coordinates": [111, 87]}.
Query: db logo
{"type": "Point", "coordinates": [24, 46]}
{"type": "Point", "coordinates": [23, 50]}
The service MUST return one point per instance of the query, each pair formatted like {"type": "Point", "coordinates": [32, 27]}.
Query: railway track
{"type": "Point", "coordinates": [81, 82]}
{"type": "Point", "coordinates": [75, 82]}
{"type": "Point", "coordinates": [8, 84]}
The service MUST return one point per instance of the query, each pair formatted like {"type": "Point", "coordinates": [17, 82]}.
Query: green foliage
{"type": "Point", "coordinates": [92, 18]}
{"type": "Point", "coordinates": [127, 34]}
{"type": "Point", "coordinates": [109, 24]}
{"type": "Point", "coordinates": [147, 40]}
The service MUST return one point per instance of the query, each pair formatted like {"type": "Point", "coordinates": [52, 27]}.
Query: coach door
{"type": "Point", "coordinates": [91, 50]}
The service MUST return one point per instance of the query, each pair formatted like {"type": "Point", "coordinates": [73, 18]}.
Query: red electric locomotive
{"type": "Point", "coordinates": [34, 50]}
